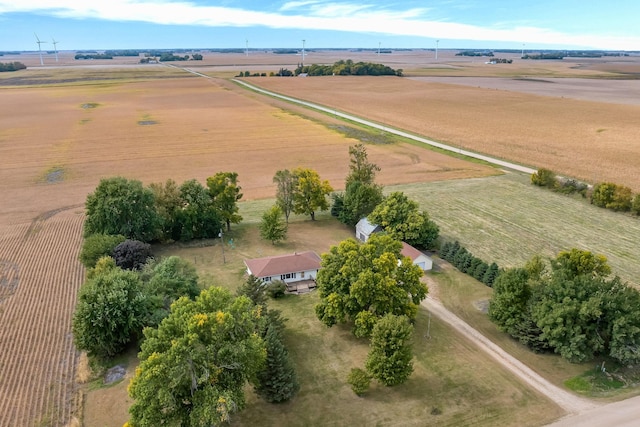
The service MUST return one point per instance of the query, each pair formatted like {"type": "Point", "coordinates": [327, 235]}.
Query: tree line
{"type": "Point", "coordinates": [569, 305]}
{"type": "Point", "coordinates": [606, 195]}
{"type": "Point", "coordinates": [347, 68]}
{"type": "Point", "coordinates": [12, 66]}
{"type": "Point", "coordinates": [464, 261]}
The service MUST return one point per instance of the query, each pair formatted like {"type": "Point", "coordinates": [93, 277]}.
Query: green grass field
{"type": "Point", "coordinates": [507, 220]}
{"type": "Point", "coordinates": [454, 383]}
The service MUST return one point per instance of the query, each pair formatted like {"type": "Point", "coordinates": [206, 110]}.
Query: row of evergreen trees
{"type": "Point", "coordinates": [464, 261]}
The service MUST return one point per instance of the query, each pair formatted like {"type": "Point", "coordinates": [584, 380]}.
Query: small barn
{"type": "Point", "coordinates": [298, 270]}
{"type": "Point", "coordinates": [364, 229]}
{"type": "Point", "coordinates": [418, 258]}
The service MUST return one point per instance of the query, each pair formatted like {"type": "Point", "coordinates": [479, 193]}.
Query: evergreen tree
{"type": "Point", "coordinates": [491, 274]}
{"type": "Point", "coordinates": [277, 382]}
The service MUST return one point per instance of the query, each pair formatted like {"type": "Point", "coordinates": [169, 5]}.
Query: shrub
{"type": "Point", "coordinates": [96, 246]}
{"type": "Point", "coordinates": [544, 178]}
{"type": "Point", "coordinates": [131, 254]}
{"type": "Point", "coordinates": [276, 289]}
{"type": "Point", "coordinates": [359, 381]}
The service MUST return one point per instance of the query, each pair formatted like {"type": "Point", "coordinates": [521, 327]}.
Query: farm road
{"type": "Point", "coordinates": [374, 125]}
{"type": "Point", "coordinates": [386, 128]}
{"type": "Point", "coordinates": [564, 399]}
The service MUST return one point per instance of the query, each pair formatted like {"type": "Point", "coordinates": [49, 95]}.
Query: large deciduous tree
{"type": "Point", "coordinates": [168, 206]}
{"type": "Point", "coordinates": [574, 309]}
{"type": "Point", "coordinates": [286, 183]}
{"type": "Point", "coordinates": [361, 282]}
{"type": "Point", "coordinates": [310, 192]}
{"type": "Point", "coordinates": [197, 217]}
{"type": "Point", "coordinates": [360, 169]}
{"type": "Point", "coordinates": [195, 365]}
{"type": "Point", "coordinates": [225, 194]}
{"type": "Point", "coordinates": [110, 312]}
{"type": "Point", "coordinates": [401, 218]}
{"type": "Point", "coordinates": [361, 194]}
{"type": "Point", "coordinates": [122, 206]}
{"type": "Point", "coordinates": [389, 360]}
{"type": "Point", "coordinates": [167, 280]}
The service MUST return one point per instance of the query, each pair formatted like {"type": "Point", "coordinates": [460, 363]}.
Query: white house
{"type": "Point", "coordinates": [364, 229]}
{"type": "Point", "coordinates": [418, 258]}
{"type": "Point", "coordinates": [290, 268]}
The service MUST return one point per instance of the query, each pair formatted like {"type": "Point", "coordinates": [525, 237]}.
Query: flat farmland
{"type": "Point", "coordinates": [507, 220]}
{"type": "Point", "coordinates": [39, 279]}
{"type": "Point", "coordinates": [591, 141]}
{"type": "Point", "coordinates": [58, 139]}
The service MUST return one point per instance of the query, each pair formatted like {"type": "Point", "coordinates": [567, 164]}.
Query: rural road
{"type": "Point", "coordinates": [384, 128]}
{"type": "Point", "coordinates": [618, 414]}
{"type": "Point", "coordinates": [567, 401]}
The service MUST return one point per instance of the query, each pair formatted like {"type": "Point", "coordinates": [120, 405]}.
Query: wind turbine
{"type": "Point", "coordinates": [246, 50]}
{"type": "Point", "coordinates": [39, 50]}
{"type": "Point", "coordinates": [55, 47]}
{"type": "Point", "coordinates": [437, 41]}
{"type": "Point", "coordinates": [303, 41]}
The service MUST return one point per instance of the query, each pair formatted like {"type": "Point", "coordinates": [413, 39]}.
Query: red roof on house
{"type": "Point", "coordinates": [410, 251]}
{"type": "Point", "coordinates": [283, 264]}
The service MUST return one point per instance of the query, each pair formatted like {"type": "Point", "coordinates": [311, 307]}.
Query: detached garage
{"type": "Point", "coordinates": [418, 258]}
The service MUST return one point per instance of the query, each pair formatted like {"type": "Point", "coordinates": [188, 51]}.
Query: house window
{"type": "Point", "coordinates": [302, 275]}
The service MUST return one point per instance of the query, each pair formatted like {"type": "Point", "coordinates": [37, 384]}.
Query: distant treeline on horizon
{"type": "Point", "coordinates": [585, 53]}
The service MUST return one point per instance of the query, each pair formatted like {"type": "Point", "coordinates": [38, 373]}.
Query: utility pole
{"type": "Point", "coordinates": [224, 260]}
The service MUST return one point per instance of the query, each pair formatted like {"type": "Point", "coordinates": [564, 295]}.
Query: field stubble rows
{"type": "Point", "coordinates": [38, 358]}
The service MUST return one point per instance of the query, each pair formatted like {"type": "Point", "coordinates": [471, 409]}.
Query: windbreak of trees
{"type": "Point", "coordinates": [474, 53]}
{"type": "Point", "coordinates": [348, 68]}
{"type": "Point", "coordinates": [606, 195]}
{"type": "Point", "coordinates": [473, 266]}
{"type": "Point", "coordinates": [12, 66]}
{"type": "Point", "coordinates": [163, 211]}
{"type": "Point", "coordinates": [93, 56]}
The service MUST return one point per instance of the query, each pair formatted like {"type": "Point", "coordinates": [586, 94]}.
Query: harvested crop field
{"type": "Point", "coordinates": [57, 142]}
{"type": "Point", "coordinates": [586, 140]}
{"type": "Point", "coordinates": [39, 279]}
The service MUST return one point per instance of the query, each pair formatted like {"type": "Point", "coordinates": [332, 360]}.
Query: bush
{"type": "Point", "coordinates": [359, 381]}
{"type": "Point", "coordinates": [544, 178]}
{"type": "Point", "coordinates": [96, 246]}
{"type": "Point", "coordinates": [276, 289]}
{"type": "Point", "coordinates": [612, 196]}
{"type": "Point", "coordinates": [131, 254]}
{"type": "Point", "coordinates": [635, 206]}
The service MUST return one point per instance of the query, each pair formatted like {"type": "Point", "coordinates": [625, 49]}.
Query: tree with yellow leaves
{"type": "Point", "coordinates": [195, 364]}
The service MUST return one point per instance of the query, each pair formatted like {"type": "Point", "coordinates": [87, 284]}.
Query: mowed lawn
{"type": "Point", "coordinates": [507, 220]}
{"type": "Point", "coordinates": [454, 383]}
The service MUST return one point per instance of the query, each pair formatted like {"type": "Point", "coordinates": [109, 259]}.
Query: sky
{"type": "Point", "coordinates": [258, 24]}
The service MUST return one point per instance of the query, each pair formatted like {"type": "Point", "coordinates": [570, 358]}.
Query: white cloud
{"type": "Point", "coordinates": [310, 15]}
